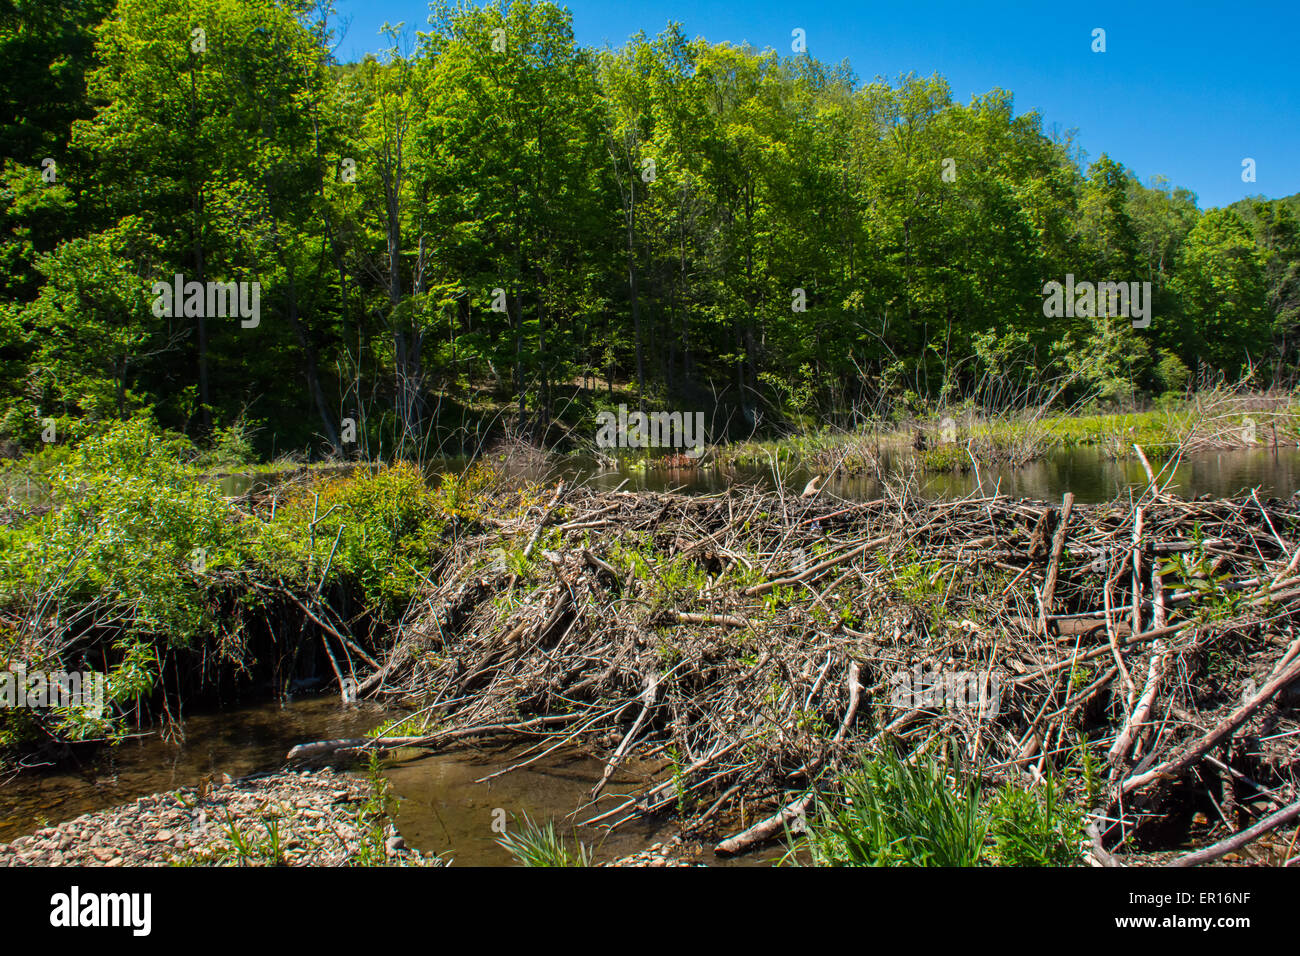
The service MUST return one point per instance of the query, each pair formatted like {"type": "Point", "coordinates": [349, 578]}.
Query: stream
{"type": "Point", "coordinates": [442, 808]}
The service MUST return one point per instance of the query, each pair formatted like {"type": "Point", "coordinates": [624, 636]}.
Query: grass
{"type": "Point", "coordinates": [537, 845]}
{"type": "Point", "coordinates": [890, 812]}
{"type": "Point", "coordinates": [1032, 828]}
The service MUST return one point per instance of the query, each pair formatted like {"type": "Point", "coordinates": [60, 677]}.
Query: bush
{"type": "Point", "coordinates": [1171, 373]}
{"type": "Point", "coordinates": [233, 445]}
{"type": "Point", "coordinates": [131, 535]}
{"type": "Point", "coordinates": [1033, 829]}
{"type": "Point", "coordinates": [378, 531]}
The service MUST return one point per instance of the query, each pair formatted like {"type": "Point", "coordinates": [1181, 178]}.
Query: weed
{"type": "Point", "coordinates": [1033, 828]}
{"type": "Point", "coordinates": [536, 845]}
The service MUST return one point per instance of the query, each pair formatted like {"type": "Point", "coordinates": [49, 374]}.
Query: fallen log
{"type": "Point", "coordinates": [428, 741]}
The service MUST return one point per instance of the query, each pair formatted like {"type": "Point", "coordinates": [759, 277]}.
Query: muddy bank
{"type": "Point", "coordinates": [320, 818]}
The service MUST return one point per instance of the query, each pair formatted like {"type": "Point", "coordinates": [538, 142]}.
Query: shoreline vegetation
{"type": "Point", "coordinates": [958, 439]}
{"type": "Point", "coordinates": [747, 644]}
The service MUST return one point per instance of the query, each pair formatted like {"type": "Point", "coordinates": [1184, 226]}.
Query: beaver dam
{"type": "Point", "coordinates": [755, 647]}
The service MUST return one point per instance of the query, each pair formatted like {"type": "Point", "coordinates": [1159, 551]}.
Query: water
{"type": "Point", "coordinates": [1087, 472]}
{"type": "Point", "coordinates": [237, 741]}
{"type": "Point", "coordinates": [446, 806]}
{"type": "Point", "coordinates": [443, 804]}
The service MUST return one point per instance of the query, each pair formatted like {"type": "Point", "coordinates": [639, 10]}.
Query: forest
{"type": "Point", "coordinates": [489, 227]}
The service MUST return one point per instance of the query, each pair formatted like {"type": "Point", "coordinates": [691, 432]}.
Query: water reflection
{"type": "Point", "coordinates": [238, 741]}
{"type": "Point", "coordinates": [1087, 472]}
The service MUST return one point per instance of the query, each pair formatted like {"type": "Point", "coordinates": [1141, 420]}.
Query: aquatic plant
{"type": "Point", "coordinates": [537, 845]}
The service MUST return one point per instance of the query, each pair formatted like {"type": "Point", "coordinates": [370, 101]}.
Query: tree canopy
{"type": "Point", "coordinates": [488, 222]}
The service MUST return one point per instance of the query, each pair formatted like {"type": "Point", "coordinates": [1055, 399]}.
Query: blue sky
{"type": "Point", "coordinates": [1185, 90]}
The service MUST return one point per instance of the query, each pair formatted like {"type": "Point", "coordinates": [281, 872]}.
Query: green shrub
{"type": "Point", "coordinates": [1171, 373]}
{"type": "Point", "coordinates": [232, 445]}
{"type": "Point", "coordinates": [1034, 828]}
{"type": "Point", "coordinates": [379, 531]}
{"type": "Point", "coordinates": [131, 537]}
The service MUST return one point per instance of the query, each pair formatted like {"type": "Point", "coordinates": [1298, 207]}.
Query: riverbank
{"type": "Point", "coordinates": [286, 818]}
{"type": "Point", "coordinates": [321, 818]}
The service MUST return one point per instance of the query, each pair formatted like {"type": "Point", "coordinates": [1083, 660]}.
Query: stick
{"type": "Point", "coordinates": [429, 741]}
{"type": "Point", "coordinates": [768, 828]}
{"type": "Point", "coordinates": [1137, 572]}
{"type": "Point", "coordinates": [1140, 713]}
{"type": "Point", "coordinates": [1240, 839]}
{"type": "Point", "coordinates": [651, 692]}
{"type": "Point", "coordinates": [1058, 542]}
{"type": "Point", "coordinates": [333, 630]}
{"type": "Point", "coordinates": [683, 617]}
{"type": "Point", "coordinates": [344, 691]}
{"type": "Point", "coordinates": [816, 569]}
{"type": "Point", "coordinates": [1146, 466]}
{"type": "Point", "coordinates": [1103, 856]}
{"type": "Point", "coordinates": [1112, 636]}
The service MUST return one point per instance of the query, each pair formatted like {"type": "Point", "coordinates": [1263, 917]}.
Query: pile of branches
{"type": "Point", "coordinates": [766, 641]}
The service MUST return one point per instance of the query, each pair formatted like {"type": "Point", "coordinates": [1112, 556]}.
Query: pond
{"type": "Point", "coordinates": [1087, 471]}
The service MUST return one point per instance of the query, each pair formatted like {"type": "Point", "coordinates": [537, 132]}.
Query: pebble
{"type": "Point", "coordinates": [314, 808]}
{"type": "Point", "coordinates": [656, 855]}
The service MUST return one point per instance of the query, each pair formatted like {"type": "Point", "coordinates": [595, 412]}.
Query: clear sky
{"type": "Point", "coordinates": [1185, 90]}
